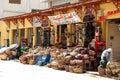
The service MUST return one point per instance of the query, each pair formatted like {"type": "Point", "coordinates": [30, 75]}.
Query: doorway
{"type": "Point", "coordinates": [30, 37]}
{"type": "Point", "coordinates": [39, 37]}
{"type": "Point", "coordinates": [15, 36]}
{"type": "Point", "coordinates": [22, 33]}
{"type": "Point", "coordinates": [61, 34]}
{"type": "Point", "coordinates": [46, 37]}
{"type": "Point", "coordinates": [113, 36]}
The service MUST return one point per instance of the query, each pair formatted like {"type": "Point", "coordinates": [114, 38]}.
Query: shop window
{"type": "Point", "coordinates": [15, 1]}
{"type": "Point", "coordinates": [65, 4]}
{"type": "Point", "coordinates": [34, 10]}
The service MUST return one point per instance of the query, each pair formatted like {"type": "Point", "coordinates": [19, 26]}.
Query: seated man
{"type": "Point", "coordinates": [106, 57]}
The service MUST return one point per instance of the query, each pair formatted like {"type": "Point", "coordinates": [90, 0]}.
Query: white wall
{"type": "Point", "coordinates": [9, 13]}
{"type": "Point", "coordinates": [25, 7]}
{"type": "Point", "coordinates": [59, 2]}
{"type": "Point", "coordinates": [38, 4]}
{"type": "Point", "coordinates": [17, 7]}
{"type": "Point", "coordinates": [7, 9]}
{"type": "Point", "coordinates": [1, 8]}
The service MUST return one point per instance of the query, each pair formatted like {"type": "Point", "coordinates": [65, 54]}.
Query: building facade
{"type": "Point", "coordinates": [66, 33]}
{"type": "Point", "coordinates": [17, 7]}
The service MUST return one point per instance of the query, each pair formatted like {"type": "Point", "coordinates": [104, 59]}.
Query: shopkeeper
{"type": "Point", "coordinates": [106, 57]}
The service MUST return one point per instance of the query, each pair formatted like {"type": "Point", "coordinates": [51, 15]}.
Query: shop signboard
{"type": "Point", "coordinates": [36, 22]}
{"type": "Point", "coordinates": [65, 18]}
{"type": "Point", "coordinates": [57, 19]}
{"type": "Point", "coordinates": [72, 18]}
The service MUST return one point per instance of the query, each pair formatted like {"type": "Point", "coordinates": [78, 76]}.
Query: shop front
{"type": "Point", "coordinates": [111, 21]}
{"type": "Point", "coordinates": [64, 27]}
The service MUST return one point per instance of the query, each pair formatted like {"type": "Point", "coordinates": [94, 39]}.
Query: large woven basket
{"type": "Point", "coordinates": [101, 71]}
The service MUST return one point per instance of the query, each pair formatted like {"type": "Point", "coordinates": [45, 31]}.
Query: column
{"type": "Point", "coordinates": [26, 33]}
{"type": "Point", "coordinates": [34, 36]}
{"type": "Point", "coordinates": [55, 28]}
{"type": "Point", "coordinates": [69, 38]}
{"type": "Point", "coordinates": [18, 40]}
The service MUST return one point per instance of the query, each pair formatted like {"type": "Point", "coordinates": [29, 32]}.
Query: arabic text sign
{"type": "Point", "coordinates": [65, 18]}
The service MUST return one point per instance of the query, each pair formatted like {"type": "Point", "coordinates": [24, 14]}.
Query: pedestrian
{"type": "Point", "coordinates": [106, 57]}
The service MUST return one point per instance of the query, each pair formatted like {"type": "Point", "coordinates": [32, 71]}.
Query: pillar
{"type": "Point", "coordinates": [26, 33]}
{"type": "Point", "coordinates": [55, 28]}
{"type": "Point", "coordinates": [34, 36]}
{"type": "Point", "coordinates": [18, 40]}
{"type": "Point", "coordinates": [69, 39]}
{"type": "Point", "coordinates": [103, 27]}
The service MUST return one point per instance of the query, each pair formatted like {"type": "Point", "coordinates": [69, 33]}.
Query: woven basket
{"type": "Point", "coordinates": [108, 72]}
{"type": "Point", "coordinates": [101, 71]}
{"type": "Point", "coordinates": [78, 70]}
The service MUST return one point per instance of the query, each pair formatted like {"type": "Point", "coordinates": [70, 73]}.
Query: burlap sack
{"type": "Point", "coordinates": [71, 69]}
{"type": "Point", "coordinates": [79, 62]}
{"type": "Point", "coordinates": [48, 65]}
{"type": "Point", "coordinates": [72, 62]}
{"type": "Point", "coordinates": [31, 61]}
{"type": "Point", "coordinates": [66, 67]}
{"type": "Point", "coordinates": [3, 56]}
{"type": "Point", "coordinates": [108, 72]}
{"type": "Point", "coordinates": [8, 52]}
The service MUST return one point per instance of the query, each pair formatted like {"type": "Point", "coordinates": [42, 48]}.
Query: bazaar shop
{"type": "Point", "coordinates": [112, 19]}
{"type": "Point", "coordinates": [67, 29]}
{"type": "Point", "coordinates": [64, 27]}
{"type": "Point", "coordinates": [73, 26]}
{"type": "Point", "coordinates": [43, 31]}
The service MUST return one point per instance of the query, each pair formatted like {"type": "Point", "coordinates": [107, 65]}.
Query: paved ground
{"type": "Point", "coordinates": [11, 70]}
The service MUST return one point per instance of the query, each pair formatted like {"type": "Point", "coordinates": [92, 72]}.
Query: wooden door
{"type": "Point", "coordinates": [114, 40]}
